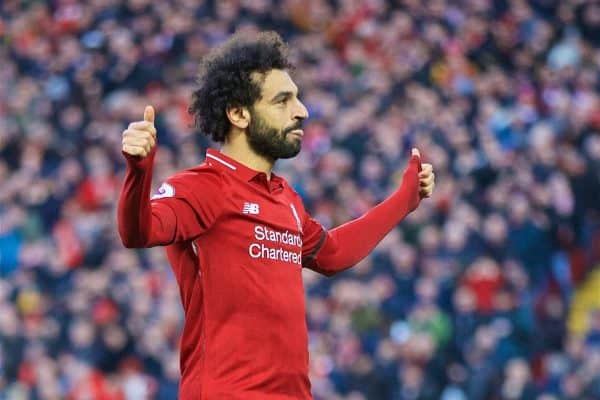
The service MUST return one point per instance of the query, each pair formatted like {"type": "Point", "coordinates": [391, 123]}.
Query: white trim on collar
{"type": "Point", "coordinates": [225, 163]}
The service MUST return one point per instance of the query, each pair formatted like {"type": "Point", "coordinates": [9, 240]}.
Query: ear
{"type": "Point", "coordinates": [238, 116]}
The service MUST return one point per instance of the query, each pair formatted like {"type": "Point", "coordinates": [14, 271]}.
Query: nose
{"type": "Point", "coordinates": [300, 111]}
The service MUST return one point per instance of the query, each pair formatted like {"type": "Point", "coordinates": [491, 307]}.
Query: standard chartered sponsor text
{"type": "Point", "coordinates": [265, 248]}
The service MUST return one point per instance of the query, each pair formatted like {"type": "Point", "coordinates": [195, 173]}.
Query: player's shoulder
{"type": "Point", "coordinates": [292, 194]}
{"type": "Point", "coordinates": [289, 189]}
{"type": "Point", "coordinates": [200, 179]}
{"type": "Point", "coordinates": [201, 173]}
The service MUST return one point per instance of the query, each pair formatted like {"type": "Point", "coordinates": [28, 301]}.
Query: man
{"type": "Point", "coordinates": [237, 235]}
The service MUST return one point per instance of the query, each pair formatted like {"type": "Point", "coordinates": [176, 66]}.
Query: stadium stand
{"type": "Point", "coordinates": [490, 290]}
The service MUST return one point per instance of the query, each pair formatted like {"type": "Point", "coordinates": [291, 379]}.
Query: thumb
{"type": "Point", "coordinates": [415, 158]}
{"type": "Point", "coordinates": [149, 114]}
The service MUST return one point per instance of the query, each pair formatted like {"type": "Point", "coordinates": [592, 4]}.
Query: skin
{"type": "Point", "coordinates": [279, 112]}
{"type": "Point", "coordinates": [279, 106]}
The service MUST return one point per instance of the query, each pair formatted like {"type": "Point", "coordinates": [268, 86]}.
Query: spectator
{"type": "Point", "coordinates": [467, 300]}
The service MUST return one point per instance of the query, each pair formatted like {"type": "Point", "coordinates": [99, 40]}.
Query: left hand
{"type": "Point", "coordinates": [426, 178]}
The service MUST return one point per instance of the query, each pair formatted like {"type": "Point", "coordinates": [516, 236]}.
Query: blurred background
{"type": "Point", "coordinates": [490, 290]}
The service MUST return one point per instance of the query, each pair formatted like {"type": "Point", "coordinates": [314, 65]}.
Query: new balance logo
{"type": "Point", "coordinates": [251, 208]}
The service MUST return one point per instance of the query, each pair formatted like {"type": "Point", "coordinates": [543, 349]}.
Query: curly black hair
{"type": "Point", "coordinates": [225, 80]}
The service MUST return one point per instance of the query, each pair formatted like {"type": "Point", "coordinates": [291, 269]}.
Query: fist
{"type": "Point", "coordinates": [426, 180]}
{"type": "Point", "coordinates": [426, 177]}
{"type": "Point", "coordinates": [140, 137]}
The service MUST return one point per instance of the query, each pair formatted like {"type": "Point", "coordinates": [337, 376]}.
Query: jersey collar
{"type": "Point", "coordinates": [215, 157]}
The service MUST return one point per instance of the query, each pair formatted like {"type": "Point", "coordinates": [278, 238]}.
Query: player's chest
{"type": "Point", "coordinates": [253, 209]}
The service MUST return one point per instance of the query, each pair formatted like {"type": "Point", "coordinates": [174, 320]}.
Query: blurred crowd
{"type": "Point", "coordinates": [467, 299]}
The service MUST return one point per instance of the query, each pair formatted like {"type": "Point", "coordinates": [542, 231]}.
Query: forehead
{"type": "Point", "coordinates": [276, 81]}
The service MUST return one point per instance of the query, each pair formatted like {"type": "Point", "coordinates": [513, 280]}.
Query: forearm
{"type": "Point", "coordinates": [141, 225]}
{"type": "Point", "coordinates": [347, 244]}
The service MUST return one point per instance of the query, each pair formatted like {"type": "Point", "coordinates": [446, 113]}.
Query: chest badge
{"type": "Point", "coordinates": [251, 208]}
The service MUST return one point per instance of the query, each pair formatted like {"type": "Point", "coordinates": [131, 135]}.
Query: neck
{"type": "Point", "coordinates": [236, 146]}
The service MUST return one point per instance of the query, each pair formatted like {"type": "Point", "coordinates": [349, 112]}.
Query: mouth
{"type": "Point", "coordinates": [297, 132]}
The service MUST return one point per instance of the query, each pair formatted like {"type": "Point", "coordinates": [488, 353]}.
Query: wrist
{"type": "Point", "coordinates": [139, 163]}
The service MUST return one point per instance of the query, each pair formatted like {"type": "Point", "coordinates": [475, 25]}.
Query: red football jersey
{"type": "Point", "coordinates": [237, 247]}
{"type": "Point", "coordinates": [237, 243]}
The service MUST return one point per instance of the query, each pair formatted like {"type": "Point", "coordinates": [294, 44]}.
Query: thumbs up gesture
{"type": "Point", "coordinates": [426, 175]}
{"type": "Point", "coordinates": [140, 137]}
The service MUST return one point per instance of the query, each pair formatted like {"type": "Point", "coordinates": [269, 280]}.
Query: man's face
{"type": "Point", "coordinates": [275, 129]}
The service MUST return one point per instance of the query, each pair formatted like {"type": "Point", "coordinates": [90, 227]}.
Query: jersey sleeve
{"type": "Point", "coordinates": [342, 247]}
{"type": "Point", "coordinates": [191, 202]}
{"type": "Point", "coordinates": [184, 207]}
{"type": "Point", "coordinates": [314, 235]}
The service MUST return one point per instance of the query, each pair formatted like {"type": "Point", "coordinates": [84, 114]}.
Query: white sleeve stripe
{"type": "Point", "coordinates": [297, 217]}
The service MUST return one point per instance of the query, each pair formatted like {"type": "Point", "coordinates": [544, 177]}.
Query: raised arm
{"type": "Point", "coordinates": [349, 243]}
{"type": "Point", "coordinates": [173, 215]}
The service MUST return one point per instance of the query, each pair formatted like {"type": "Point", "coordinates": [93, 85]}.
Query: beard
{"type": "Point", "coordinates": [270, 142]}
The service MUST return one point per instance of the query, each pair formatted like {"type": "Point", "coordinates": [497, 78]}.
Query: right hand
{"type": "Point", "coordinates": [140, 137]}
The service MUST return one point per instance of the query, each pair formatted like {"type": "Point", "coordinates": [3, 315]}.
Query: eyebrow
{"type": "Point", "coordinates": [282, 95]}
